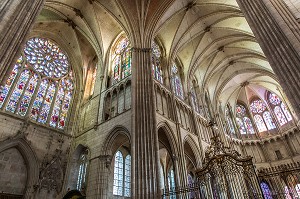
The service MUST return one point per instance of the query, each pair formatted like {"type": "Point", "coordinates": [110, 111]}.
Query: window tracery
{"type": "Point", "coordinates": [122, 175]}
{"type": "Point", "coordinates": [176, 81]}
{"type": "Point", "coordinates": [121, 57]}
{"type": "Point", "coordinates": [40, 84]}
{"type": "Point", "coordinates": [156, 62]}
{"type": "Point", "coordinates": [280, 110]}
{"type": "Point", "coordinates": [81, 178]}
{"type": "Point", "coordinates": [243, 121]}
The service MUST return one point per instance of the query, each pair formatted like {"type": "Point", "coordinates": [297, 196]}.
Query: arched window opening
{"type": "Point", "coordinates": [243, 121]}
{"type": "Point", "coordinates": [156, 62]}
{"type": "Point", "coordinates": [266, 190]}
{"type": "Point", "coordinates": [40, 85]}
{"type": "Point", "coordinates": [81, 179]}
{"type": "Point", "coordinates": [262, 116]}
{"type": "Point", "coordinates": [171, 183]}
{"type": "Point", "coordinates": [121, 60]}
{"type": "Point", "coordinates": [280, 110]}
{"type": "Point", "coordinates": [176, 81]}
{"type": "Point", "coordinates": [122, 175]}
{"type": "Point", "coordinates": [229, 120]}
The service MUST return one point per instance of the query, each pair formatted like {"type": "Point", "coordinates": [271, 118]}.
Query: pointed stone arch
{"type": "Point", "coordinates": [190, 146]}
{"type": "Point", "coordinates": [31, 161]}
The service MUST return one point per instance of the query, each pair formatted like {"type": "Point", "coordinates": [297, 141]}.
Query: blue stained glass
{"type": "Point", "coordinates": [248, 125]}
{"type": "Point", "coordinates": [57, 106]}
{"type": "Point", "coordinates": [18, 91]}
{"type": "Point", "coordinates": [266, 190]}
{"type": "Point", "coordinates": [5, 89]}
{"type": "Point", "coordinates": [25, 102]}
{"type": "Point", "coordinates": [39, 99]}
{"type": "Point", "coordinates": [47, 104]}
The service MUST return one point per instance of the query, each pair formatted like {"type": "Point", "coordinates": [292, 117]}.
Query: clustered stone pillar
{"type": "Point", "coordinates": [276, 44]}
{"type": "Point", "coordinates": [144, 147]}
{"type": "Point", "coordinates": [17, 17]}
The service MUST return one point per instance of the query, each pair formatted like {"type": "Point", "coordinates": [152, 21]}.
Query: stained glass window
{"type": "Point", "coordinates": [122, 175]}
{"type": "Point", "coordinates": [156, 62]}
{"type": "Point", "coordinates": [82, 171]}
{"type": "Point", "coordinates": [176, 82]}
{"type": "Point", "coordinates": [240, 110]}
{"type": "Point", "coordinates": [229, 120]}
{"type": "Point", "coordinates": [40, 85]}
{"type": "Point", "coordinates": [121, 57]}
{"type": "Point", "coordinates": [118, 174]}
{"type": "Point", "coordinates": [257, 106]}
{"type": "Point", "coordinates": [260, 123]}
{"type": "Point", "coordinates": [268, 120]}
{"type": "Point", "coordinates": [241, 126]}
{"type": "Point", "coordinates": [274, 99]}
{"type": "Point", "coordinates": [127, 180]}
{"type": "Point", "coordinates": [171, 182]}
{"type": "Point", "coordinates": [248, 125]}
{"type": "Point", "coordinates": [266, 190]}
{"type": "Point", "coordinates": [280, 116]}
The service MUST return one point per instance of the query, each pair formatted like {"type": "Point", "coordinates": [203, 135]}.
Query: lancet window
{"type": "Point", "coordinates": [40, 85]}
{"type": "Point", "coordinates": [122, 175]}
{"type": "Point", "coordinates": [243, 121]}
{"type": "Point", "coordinates": [171, 182]}
{"type": "Point", "coordinates": [262, 116]}
{"type": "Point", "coordinates": [229, 120]}
{"type": "Point", "coordinates": [121, 60]}
{"type": "Point", "coordinates": [194, 100]}
{"type": "Point", "coordinates": [266, 190]}
{"type": "Point", "coordinates": [280, 110]}
{"type": "Point", "coordinates": [81, 178]}
{"type": "Point", "coordinates": [176, 81]}
{"type": "Point", "coordinates": [156, 62]}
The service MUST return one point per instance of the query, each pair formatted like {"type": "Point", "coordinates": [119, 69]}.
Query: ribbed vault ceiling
{"type": "Point", "coordinates": [211, 38]}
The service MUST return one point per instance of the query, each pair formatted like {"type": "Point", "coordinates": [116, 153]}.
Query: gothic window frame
{"type": "Point", "coordinates": [156, 60]}
{"type": "Point", "coordinates": [279, 108]}
{"type": "Point", "coordinates": [121, 59]}
{"type": "Point", "coordinates": [122, 186]}
{"type": "Point", "coordinates": [242, 114]}
{"type": "Point", "coordinates": [82, 170]}
{"type": "Point", "coordinates": [176, 80]}
{"type": "Point", "coordinates": [229, 120]}
{"type": "Point", "coordinates": [171, 182]}
{"type": "Point", "coordinates": [44, 60]}
{"type": "Point", "coordinates": [259, 107]}
{"type": "Point", "coordinates": [266, 190]}
{"type": "Point", "coordinates": [194, 100]}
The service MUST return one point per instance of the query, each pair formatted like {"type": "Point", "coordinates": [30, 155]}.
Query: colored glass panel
{"type": "Point", "coordinates": [126, 63]}
{"type": "Point", "coordinates": [266, 190]}
{"type": "Point", "coordinates": [25, 102]}
{"type": "Point", "coordinates": [5, 89]}
{"type": "Point", "coordinates": [177, 86]}
{"type": "Point", "coordinates": [57, 106]}
{"type": "Point", "coordinates": [39, 99]}
{"type": "Point", "coordinates": [248, 125]}
{"type": "Point", "coordinates": [117, 66]}
{"type": "Point", "coordinates": [47, 104]}
{"type": "Point", "coordinates": [240, 110]}
{"type": "Point", "coordinates": [46, 57]}
{"type": "Point", "coordinates": [81, 171]}
{"type": "Point", "coordinates": [274, 99]}
{"type": "Point", "coordinates": [194, 100]}
{"type": "Point", "coordinates": [268, 120]}
{"type": "Point", "coordinates": [286, 112]}
{"type": "Point", "coordinates": [156, 68]}
{"type": "Point", "coordinates": [260, 123]}
{"type": "Point", "coordinates": [118, 174]}
{"type": "Point", "coordinates": [257, 106]}
{"type": "Point", "coordinates": [18, 91]}
{"type": "Point", "coordinates": [127, 180]}
{"type": "Point", "coordinates": [241, 126]}
{"type": "Point", "coordinates": [280, 116]}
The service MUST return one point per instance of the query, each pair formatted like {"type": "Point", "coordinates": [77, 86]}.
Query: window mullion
{"type": "Point", "coordinates": [34, 96]}
{"type": "Point", "coordinates": [44, 98]}
{"type": "Point", "coordinates": [52, 103]}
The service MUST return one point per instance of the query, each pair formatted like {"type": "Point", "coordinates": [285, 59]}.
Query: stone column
{"type": "Point", "coordinates": [17, 17]}
{"type": "Point", "coordinates": [278, 48]}
{"type": "Point", "coordinates": [145, 161]}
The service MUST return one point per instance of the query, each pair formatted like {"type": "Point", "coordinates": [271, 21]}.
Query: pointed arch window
{"type": "Point", "coordinates": [229, 120]}
{"type": "Point", "coordinates": [280, 110]}
{"type": "Point", "coordinates": [171, 182]}
{"type": "Point", "coordinates": [40, 85]}
{"type": "Point", "coordinates": [194, 100]}
{"type": "Point", "coordinates": [262, 116]}
{"type": "Point", "coordinates": [121, 57]}
{"type": "Point", "coordinates": [122, 175]}
{"type": "Point", "coordinates": [176, 81]}
{"type": "Point", "coordinates": [243, 121]}
{"type": "Point", "coordinates": [156, 62]}
{"type": "Point", "coordinates": [266, 190]}
{"type": "Point", "coordinates": [81, 178]}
